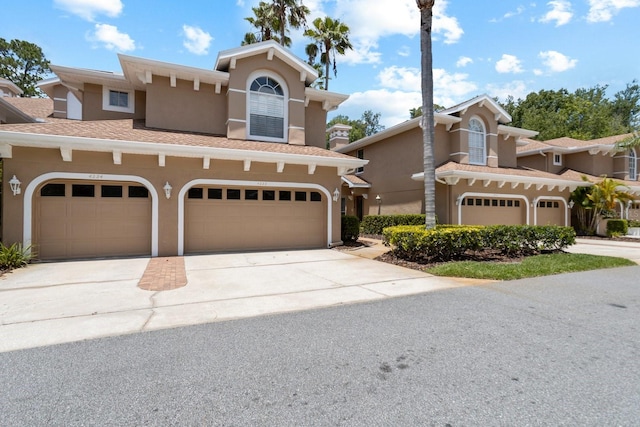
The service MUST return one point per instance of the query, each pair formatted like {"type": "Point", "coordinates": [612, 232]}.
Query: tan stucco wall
{"type": "Point", "coordinates": [92, 105]}
{"type": "Point", "coordinates": [29, 163]}
{"type": "Point", "coordinates": [60, 102]}
{"type": "Point", "coordinates": [507, 154]}
{"type": "Point", "coordinates": [315, 125]}
{"type": "Point", "coordinates": [534, 161]}
{"type": "Point", "coordinates": [182, 108]}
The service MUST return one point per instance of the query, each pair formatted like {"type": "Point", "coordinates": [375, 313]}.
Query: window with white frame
{"type": "Point", "coordinates": [266, 109]}
{"type": "Point", "coordinates": [633, 165]}
{"type": "Point", "coordinates": [360, 155]}
{"type": "Point", "coordinates": [477, 142]}
{"type": "Point", "coordinates": [120, 100]}
{"type": "Point", "coordinates": [557, 159]}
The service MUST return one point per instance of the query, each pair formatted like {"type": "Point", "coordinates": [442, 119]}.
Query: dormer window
{"type": "Point", "coordinates": [477, 142]}
{"type": "Point", "coordinates": [557, 159]}
{"type": "Point", "coordinates": [267, 109]}
{"type": "Point", "coordinates": [633, 165]}
{"type": "Point", "coordinates": [119, 100]}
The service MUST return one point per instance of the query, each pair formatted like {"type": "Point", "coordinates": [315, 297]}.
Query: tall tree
{"type": "Point", "coordinates": [331, 38]}
{"type": "Point", "coordinates": [264, 21]}
{"type": "Point", "coordinates": [24, 64]}
{"type": "Point", "coordinates": [366, 125]}
{"type": "Point", "coordinates": [428, 125]}
{"type": "Point", "coordinates": [289, 14]}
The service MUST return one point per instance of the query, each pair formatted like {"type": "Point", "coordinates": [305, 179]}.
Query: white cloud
{"type": "Point", "coordinates": [369, 20]}
{"type": "Point", "coordinates": [463, 61]}
{"type": "Point", "coordinates": [197, 41]}
{"type": "Point", "coordinates": [557, 62]}
{"type": "Point", "coordinates": [603, 10]}
{"type": "Point", "coordinates": [401, 91]}
{"type": "Point", "coordinates": [88, 9]}
{"type": "Point", "coordinates": [509, 64]}
{"type": "Point", "coordinates": [517, 89]}
{"type": "Point", "coordinates": [240, 3]}
{"type": "Point", "coordinates": [517, 12]}
{"type": "Point", "coordinates": [404, 51]}
{"type": "Point", "coordinates": [560, 12]}
{"type": "Point", "coordinates": [112, 38]}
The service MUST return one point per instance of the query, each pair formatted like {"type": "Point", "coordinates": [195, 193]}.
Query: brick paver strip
{"type": "Point", "coordinates": [164, 274]}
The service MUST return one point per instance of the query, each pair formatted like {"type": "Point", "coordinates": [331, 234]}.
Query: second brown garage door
{"type": "Point", "coordinates": [234, 219]}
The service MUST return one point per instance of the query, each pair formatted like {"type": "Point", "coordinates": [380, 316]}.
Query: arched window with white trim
{"type": "Point", "coordinates": [267, 109]}
{"type": "Point", "coordinates": [633, 165]}
{"type": "Point", "coordinates": [477, 142]}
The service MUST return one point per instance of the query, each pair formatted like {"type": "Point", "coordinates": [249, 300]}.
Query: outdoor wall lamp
{"type": "Point", "coordinates": [571, 204]}
{"type": "Point", "coordinates": [378, 199]}
{"type": "Point", "coordinates": [15, 185]}
{"type": "Point", "coordinates": [336, 195]}
{"type": "Point", "coordinates": [167, 189]}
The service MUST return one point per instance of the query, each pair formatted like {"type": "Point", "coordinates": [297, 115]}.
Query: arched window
{"type": "Point", "coordinates": [477, 142]}
{"type": "Point", "coordinates": [633, 165]}
{"type": "Point", "coordinates": [266, 109]}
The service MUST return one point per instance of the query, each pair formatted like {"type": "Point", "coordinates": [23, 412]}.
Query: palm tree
{"type": "Point", "coordinates": [428, 125]}
{"type": "Point", "coordinates": [331, 37]}
{"type": "Point", "coordinates": [289, 13]}
{"type": "Point", "coordinates": [265, 21]}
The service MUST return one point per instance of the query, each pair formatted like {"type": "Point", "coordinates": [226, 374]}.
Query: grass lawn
{"type": "Point", "coordinates": [539, 265]}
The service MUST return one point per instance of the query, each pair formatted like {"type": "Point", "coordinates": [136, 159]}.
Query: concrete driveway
{"type": "Point", "coordinates": [52, 303]}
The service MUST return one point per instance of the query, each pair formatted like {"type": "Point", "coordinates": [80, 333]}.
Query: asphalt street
{"type": "Point", "coordinates": [560, 350]}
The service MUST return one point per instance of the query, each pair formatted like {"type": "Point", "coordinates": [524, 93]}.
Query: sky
{"type": "Point", "coordinates": [496, 47]}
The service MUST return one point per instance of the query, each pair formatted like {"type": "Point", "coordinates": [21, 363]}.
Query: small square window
{"type": "Point", "coordinates": [516, 203]}
{"type": "Point", "coordinates": [542, 204]}
{"type": "Point", "coordinates": [83, 190]}
{"type": "Point", "coordinates": [556, 205]}
{"type": "Point", "coordinates": [494, 202]}
{"type": "Point", "coordinates": [138, 192]}
{"type": "Point", "coordinates": [214, 193]}
{"type": "Point", "coordinates": [464, 202]}
{"type": "Point", "coordinates": [284, 195]}
{"type": "Point", "coordinates": [251, 194]}
{"type": "Point", "coordinates": [510, 203]}
{"type": "Point", "coordinates": [118, 99]}
{"type": "Point", "coordinates": [478, 202]}
{"type": "Point", "coordinates": [316, 197]}
{"type": "Point", "coordinates": [111, 191]}
{"type": "Point", "coordinates": [233, 194]}
{"type": "Point", "coordinates": [195, 193]}
{"type": "Point", "coordinates": [503, 203]}
{"type": "Point", "coordinates": [557, 159]}
{"type": "Point", "coordinates": [301, 196]}
{"type": "Point", "coordinates": [487, 202]}
{"type": "Point", "coordinates": [268, 195]}
{"type": "Point", "coordinates": [53, 190]}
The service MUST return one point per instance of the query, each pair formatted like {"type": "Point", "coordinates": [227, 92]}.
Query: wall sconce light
{"type": "Point", "coordinates": [378, 199]}
{"type": "Point", "coordinates": [167, 189]}
{"type": "Point", "coordinates": [15, 185]}
{"type": "Point", "coordinates": [336, 195]}
{"type": "Point", "coordinates": [571, 204]}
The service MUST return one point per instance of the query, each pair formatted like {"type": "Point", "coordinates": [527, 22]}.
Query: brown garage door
{"type": "Point", "coordinates": [477, 210]}
{"type": "Point", "coordinates": [228, 219]}
{"type": "Point", "coordinates": [79, 219]}
{"type": "Point", "coordinates": [550, 212]}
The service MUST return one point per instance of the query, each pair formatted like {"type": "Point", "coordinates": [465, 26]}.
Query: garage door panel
{"type": "Point", "coordinates": [224, 225]}
{"type": "Point", "coordinates": [85, 227]}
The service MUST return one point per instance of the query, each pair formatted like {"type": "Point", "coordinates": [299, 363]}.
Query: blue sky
{"type": "Point", "coordinates": [498, 47]}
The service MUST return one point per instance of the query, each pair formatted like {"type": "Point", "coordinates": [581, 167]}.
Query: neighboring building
{"type": "Point", "coordinates": [573, 159]}
{"type": "Point", "coordinates": [482, 176]}
{"type": "Point", "coordinates": [166, 159]}
{"type": "Point", "coordinates": [8, 89]}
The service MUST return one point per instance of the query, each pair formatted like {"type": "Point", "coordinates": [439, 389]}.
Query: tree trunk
{"type": "Point", "coordinates": [427, 124]}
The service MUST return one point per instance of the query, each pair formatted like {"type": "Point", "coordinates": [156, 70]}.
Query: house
{"type": "Point", "coordinates": [8, 89]}
{"type": "Point", "coordinates": [165, 159]}
{"type": "Point", "coordinates": [574, 159]}
{"type": "Point", "coordinates": [486, 171]}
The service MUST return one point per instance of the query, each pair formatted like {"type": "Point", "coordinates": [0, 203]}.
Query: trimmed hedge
{"type": "Point", "coordinates": [445, 243]}
{"type": "Point", "coordinates": [374, 224]}
{"type": "Point", "coordinates": [349, 228]}
{"type": "Point", "coordinates": [633, 223]}
{"type": "Point", "coordinates": [617, 227]}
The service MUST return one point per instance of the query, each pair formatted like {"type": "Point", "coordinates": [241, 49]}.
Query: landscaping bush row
{"type": "Point", "coordinates": [445, 243]}
{"type": "Point", "coordinates": [374, 224]}
{"type": "Point", "coordinates": [617, 227]}
{"type": "Point", "coordinates": [349, 228]}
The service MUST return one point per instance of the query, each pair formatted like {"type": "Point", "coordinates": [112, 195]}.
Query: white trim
{"type": "Point", "coordinates": [493, 195]}
{"type": "Point", "coordinates": [27, 218]}
{"type": "Point", "coordinates": [297, 100]}
{"type": "Point", "coordinates": [236, 90]}
{"type": "Point", "coordinates": [131, 99]}
{"type": "Point", "coordinates": [559, 162]}
{"type": "Point", "coordinates": [459, 153]}
{"type": "Point", "coordinates": [241, 183]}
{"type": "Point", "coordinates": [236, 120]}
{"type": "Point", "coordinates": [60, 99]}
{"type": "Point", "coordinates": [535, 208]}
{"type": "Point", "coordinates": [483, 162]}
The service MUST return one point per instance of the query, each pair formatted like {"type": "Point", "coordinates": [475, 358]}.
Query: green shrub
{"type": "Point", "coordinates": [445, 243]}
{"type": "Point", "coordinates": [349, 228]}
{"type": "Point", "coordinates": [374, 224]}
{"type": "Point", "coordinates": [14, 256]}
{"type": "Point", "coordinates": [633, 223]}
{"type": "Point", "coordinates": [617, 227]}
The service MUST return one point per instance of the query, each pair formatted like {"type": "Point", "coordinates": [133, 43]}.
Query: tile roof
{"type": "Point", "coordinates": [567, 142]}
{"type": "Point", "coordinates": [575, 175]}
{"type": "Point", "coordinates": [355, 181]}
{"type": "Point", "coordinates": [135, 131]}
{"type": "Point", "coordinates": [520, 172]}
{"type": "Point", "coordinates": [39, 108]}
{"type": "Point", "coordinates": [532, 145]}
